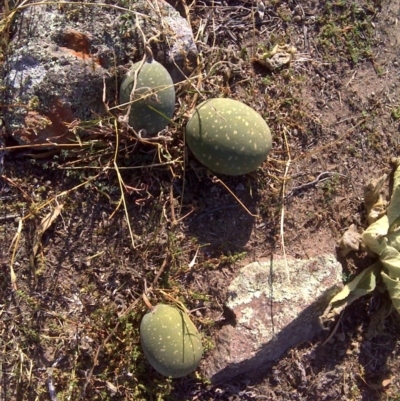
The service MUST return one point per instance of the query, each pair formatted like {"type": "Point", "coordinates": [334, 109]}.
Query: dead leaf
{"type": "Point", "coordinates": [380, 384]}
{"type": "Point", "coordinates": [46, 222]}
{"type": "Point", "coordinates": [350, 241]}
{"type": "Point", "coordinates": [374, 203]}
{"type": "Point", "coordinates": [113, 389]}
{"type": "Point", "coordinates": [14, 245]}
{"type": "Point", "coordinates": [386, 382]}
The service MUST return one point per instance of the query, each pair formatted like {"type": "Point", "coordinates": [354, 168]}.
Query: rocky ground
{"type": "Point", "coordinates": [72, 284]}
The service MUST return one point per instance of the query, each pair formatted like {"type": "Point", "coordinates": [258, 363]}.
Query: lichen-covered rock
{"type": "Point", "coordinates": [228, 136]}
{"type": "Point", "coordinates": [153, 101]}
{"type": "Point", "coordinates": [276, 306]}
{"type": "Point", "coordinates": [170, 341]}
{"type": "Point", "coordinates": [61, 57]}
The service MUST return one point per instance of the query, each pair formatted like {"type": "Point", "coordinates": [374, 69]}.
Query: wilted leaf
{"type": "Point", "coordinates": [393, 287]}
{"type": "Point", "coordinates": [44, 225]}
{"type": "Point", "coordinates": [113, 389]}
{"type": "Point", "coordinates": [396, 175]}
{"type": "Point", "coordinates": [350, 241]}
{"type": "Point", "coordinates": [361, 285]}
{"type": "Point", "coordinates": [386, 382]}
{"type": "Point", "coordinates": [374, 204]}
{"type": "Point", "coordinates": [390, 258]}
{"type": "Point", "coordinates": [377, 211]}
{"type": "Point", "coordinates": [393, 239]}
{"type": "Point", "coordinates": [393, 211]}
{"type": "Point", "coordinates": [373, 236]}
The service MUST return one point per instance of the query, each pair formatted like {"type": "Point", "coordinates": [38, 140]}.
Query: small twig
{"type": "Point", "coordinates": [331, 144]}
{"type": "Point", "coordinates": [351, 79]}
{"type": "Point", "coordinates": [334, 330]}
{"type": "Point", "coordinates": [213, 210]}
{"type": "Point", "coordinates": [26, 4]}
{"type": "Point", "coordinates": [147, 302]}
{"type": "Point", "coordinates": [171, 203]}
{"type": "Point", "coordinates": [50, 383]}
{"type": "Point", "coordinates": [8, 217]}
{"type": "Point", "coordinates": [14, 184]}
{"type": "Point", "coordinates": [282, 232]}
{"type": "Point", "coordinates": [217, 180]}
{"type": "Point", "coordinates": [321, 177]}
{"type": "Point", "coordinates": [121, 187]}
{"type": "Point", "coordinates": [14, 247]}
{"type": "Point", "coordinates": [160, 271]}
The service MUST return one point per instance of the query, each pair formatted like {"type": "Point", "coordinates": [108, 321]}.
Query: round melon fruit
{"type": "Point", "coordinates": [170, 341]}
{"type": "Point", "coordinates": [228, 136]}
{"type": "Point", "coordinates": [153, 102]}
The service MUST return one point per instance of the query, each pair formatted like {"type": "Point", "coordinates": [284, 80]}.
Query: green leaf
{"type": "Point", "coordinates": [373, 235]}
{"type": "Point", "coordinates": [390, 258]}
{"type": "Point", "coordinates": [393, 239]}
{"type": "Point", "coordinates": [393, 210]}
{"type": "Point", "coordinates": [361, 285]}
{"type": "Point", "coordinates": [393, 287]}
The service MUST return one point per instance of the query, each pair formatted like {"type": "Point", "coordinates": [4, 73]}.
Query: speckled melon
{"type": "Point", "coordinates": [228, 136]}
{"type": "Point", "coordinates": [154, 101]}
{"type": "Point", "coordinates": [170, 341]}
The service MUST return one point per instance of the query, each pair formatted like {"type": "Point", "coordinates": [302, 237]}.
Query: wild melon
{"type": "Point", "coordinates": [228, 137]}
{"type": "Point", "coordinates": [153, 102]}
{"type": "Point", "coordinates": [170, 341]}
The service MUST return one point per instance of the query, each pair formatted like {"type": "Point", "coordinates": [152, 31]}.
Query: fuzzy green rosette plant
{"type": "Point", "coordinates": [382, 238]}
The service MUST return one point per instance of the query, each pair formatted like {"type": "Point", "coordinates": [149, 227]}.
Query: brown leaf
{"type": "Point", "coordinates": [44, 225]}
{"type": "Point", "coordinates": [372, 191]}
{"type": "Point", "coordinates": [350, 241]}
{"type": "Point", "coordinates": [386, 382]}
{"type": "Point", "coordinates": [374, 203]}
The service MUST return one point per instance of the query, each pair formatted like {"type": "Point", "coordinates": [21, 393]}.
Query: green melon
{"type": "Point", "coordinates": [170, 341]}
{"type": "Point", "coordinates": [154, 99]}
{"type": "Point", "coordinates": [228, 136]}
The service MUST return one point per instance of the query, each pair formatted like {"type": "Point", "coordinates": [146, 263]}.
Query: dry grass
{"type": "Point", "coordinates": [115, 215]}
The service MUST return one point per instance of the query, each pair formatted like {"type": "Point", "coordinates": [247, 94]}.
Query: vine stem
{"type": "Point", "coordinates": [147, 302]}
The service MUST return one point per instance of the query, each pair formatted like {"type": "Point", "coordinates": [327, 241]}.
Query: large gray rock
{"type": "Point", "coordinates": [272, 313]}
{"type": "Point", "coordinates": [62, 56]}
